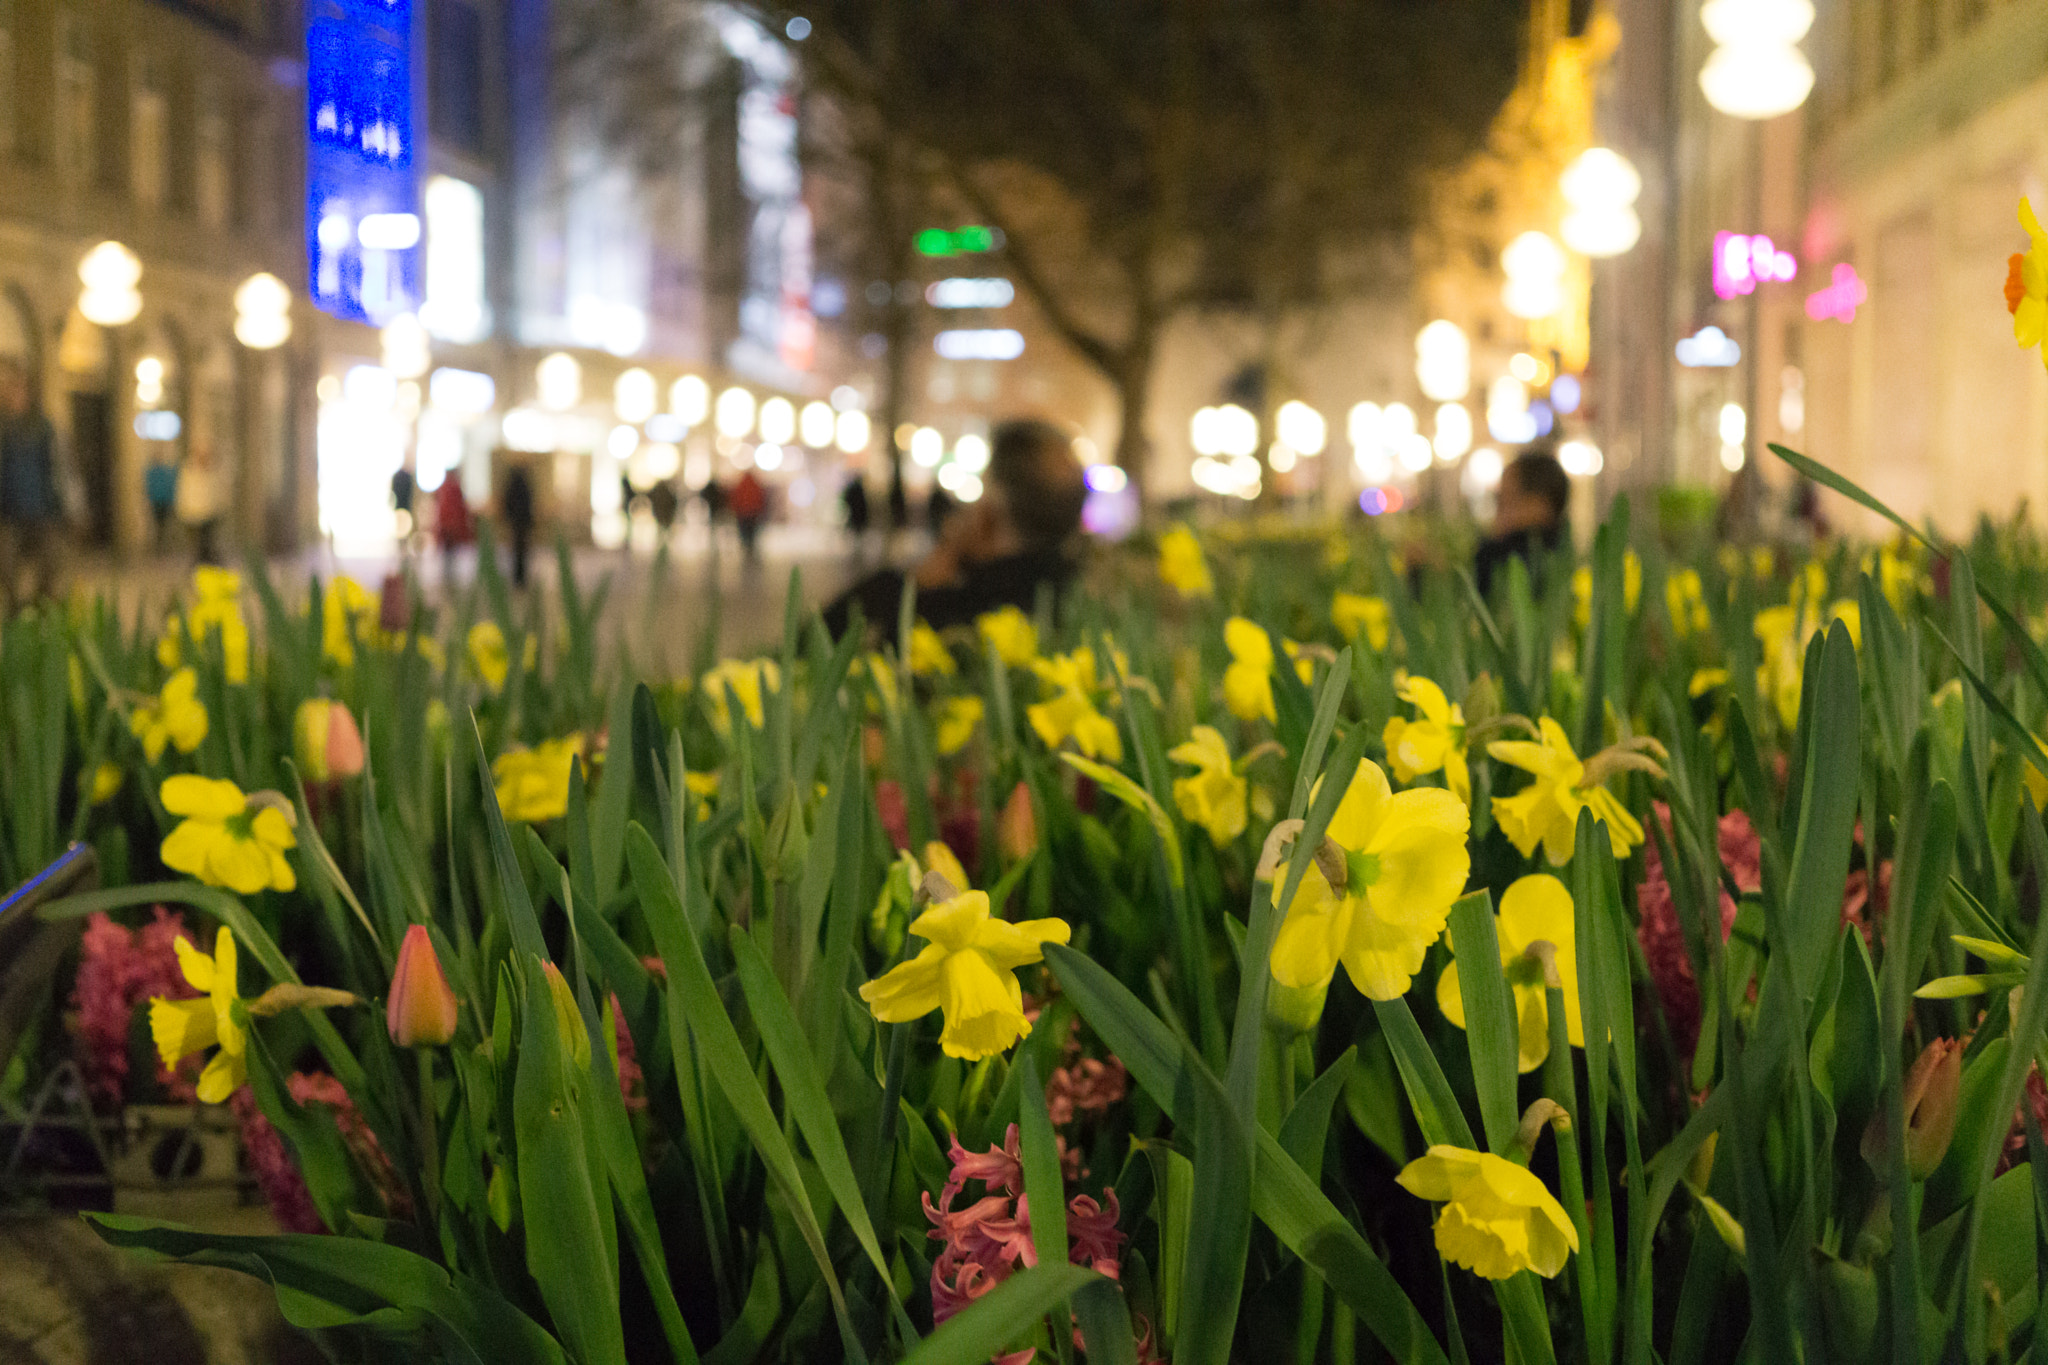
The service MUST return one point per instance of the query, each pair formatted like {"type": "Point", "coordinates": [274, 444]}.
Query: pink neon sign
{"type": "Point", "coordinates": [1741, 262]}
{"type": "Point", "coordinates": [1840, 298]}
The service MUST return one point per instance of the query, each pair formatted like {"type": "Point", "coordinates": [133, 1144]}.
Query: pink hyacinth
{"type": "Point", "coordinates": [277, 1175]}
{"type": "Point", "coordinates": [1087, 1086]}
{"type": "Point", "coordinates": [986, 1241]}
{"type": "Point", "coordinates": [1662, 938]}
{"type": "Point", "coordinates": [118, 969]}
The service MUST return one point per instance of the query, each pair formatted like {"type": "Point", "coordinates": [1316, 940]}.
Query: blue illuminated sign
{"type": "Point", "coordinates": [362, 182]}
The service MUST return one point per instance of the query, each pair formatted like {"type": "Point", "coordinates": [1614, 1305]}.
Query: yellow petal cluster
{"type": "Point", "coordinates": [1782, 634]}
{"type": "Point", "coordinates": [217, 608]}
{"type": "Point", "coordinates": [967, 969]}
{"type": "Point", "coordinates": [1354, 614]}
{"type": "Point", "coordinates": [1011, 633]}
{"type": "Point", "coordinates": [489, 655]}
{"type": "Point", "coordinates": [2026, 285]}
{"type": "Point", "coordinates": [1069, 710]}
{"type": "Point", "coordinates": [177, 717]}
{"type": "Point", "coordinates": [1534, 907]}
{"type": "Point", "coordinates": [533, 784]}
{"type": "Point", "coordinates": [183, 1027]}
{"type": "Point", "coordinates": [1686, 599]}
{"type": "Point", "coordinates": [929, 657]}
{"type": "Point", "coordinates": [1182, 565]}
{"type": "Point", "coordinates": [1497, 1219]}
{"type": "Point", "coordinates": [749, 680]}
{"type": "Point", "coordinates": [1406, 862]}
{"type": "Point", "coordinates": [1546, 812]}
{"type": "Point", "coordinates": [1433, 741]}
{"type": "Point", "coordinates": [1215, 795]}
{"type": "Point", "coordinates": [226, 838]}
{"type": "Point", "coordinates": [955, 723]}
{"type": "Point", "coordinates": [1248, 681]}
{"type": "Point", "coordinates": [1631, 589]}
{"type": "Point", "coordinates": [348, 611]}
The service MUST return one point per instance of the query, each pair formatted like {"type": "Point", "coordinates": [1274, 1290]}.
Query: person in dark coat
{"type": "Point", "coordinates": [996, 551]}
{"type": "Point", "coordinates": [749, 510]}
{"type": "Point", "coordinates": [31, 514]}
{"type": "Point", "coordinates": [1528, 519]}
{"type": "Point", "coordinates": [517, 505]}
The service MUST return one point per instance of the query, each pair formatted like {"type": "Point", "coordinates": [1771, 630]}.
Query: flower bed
{"type": "Point", "coordinates": [1277, 953]}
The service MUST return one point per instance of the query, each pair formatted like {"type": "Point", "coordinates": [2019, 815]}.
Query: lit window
{"type": "Point", "coordinates": [149, 132]}
{"type": "Point", "coordinates": [455, 308]}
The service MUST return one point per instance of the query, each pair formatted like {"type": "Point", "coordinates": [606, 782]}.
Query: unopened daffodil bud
{"type": "Point", "coordinates": [1932, 1088]}
{"type": "Point", "coordinates": [568, 1019]}
{"type": "Point", "coordinates": [1017, 825]}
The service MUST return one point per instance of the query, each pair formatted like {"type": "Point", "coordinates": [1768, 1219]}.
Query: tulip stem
{"type": "Point", "coordinates": [430, 1141]}
{"type": "Point", "coordinates": [1560, 1086]}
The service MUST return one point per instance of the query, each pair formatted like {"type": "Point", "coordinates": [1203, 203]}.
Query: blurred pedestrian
{"type": "Point", "coordinates": [938, 510]}
{"type": "Point", "coordinates": [858, 513]}
{"type": "Point", "coordinates": [1528, 519]}
{"type": "Point", "coordinates": [663, 502]}
{"type": "Point", "coordinates": [160, 485]}
{"type": "Point", "coordinates": [31, 514]}
{"type": "Point", "coordinates": [1001, 550]}
{"type": "Point", "coordinates": [453, 526]}
{"type": "Point", "coordinates": [200, 501]}
{"type": "Point", "coordinates": [749, 510]}
{"type": "Point", "coordinates": [517, 506]}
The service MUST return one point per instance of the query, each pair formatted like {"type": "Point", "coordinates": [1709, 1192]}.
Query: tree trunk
{"type": "Point", "coordinates": [1134, 393]}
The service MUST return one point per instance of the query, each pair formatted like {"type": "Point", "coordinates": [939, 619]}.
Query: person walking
{"type": "Point", "coordinates": [160, 485]}
{"type": "Point", "coordinates": [30, 512]}
{"type": "Point", "coordinates": [453, 526]}
{"type": "Point", "coordinates": [518, 509]}
{"type": "Point", "coordinates": [858, 514]}
{"type": "Point", "coordinates": [199, 502]}
{"type": "Point", "coordinates": [749, 510]}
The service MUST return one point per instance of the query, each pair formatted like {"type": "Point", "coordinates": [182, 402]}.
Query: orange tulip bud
{"type": "Point", "coordinates": [1931, 1091]}
{"type": "Point", "coordinates": [1017, 826]}
{"type": "Point", "coordinates": [327, 742]}
{"type": "Point", "coordinates": [421, 1010]}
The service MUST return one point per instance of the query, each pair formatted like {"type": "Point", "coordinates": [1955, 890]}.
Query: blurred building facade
{"type": "Point", "coordinates": [447, 222]}
{"type": "Point", "coordinates": [171, 129]}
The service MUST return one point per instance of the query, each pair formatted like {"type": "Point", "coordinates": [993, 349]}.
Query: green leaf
{"type": "Point", "coordinates": [565, 1216]}
{"type": "Point", "coordinates": [1044, 1184]}
{"type": "Point", "coordinates": [1137, 798]}
{"type": "Point", "coordinates": [1422, 1076]}
{"type": "Point", "coordinates": [1828, 478]}
{"type": "Point", "coordinates": [1827, 815]}
{"type": "Point", "coordinates": [1489, 1019]}
{"type": "Point", "coordinates": [1283, 1196]}
{"type": "Point", "coordinates": [1307, 1125]}
{"type": "Point", "coordinates": [1105, 1323]}
{"type": "Point", "coordinates": [695, 1011]}
{"type": "Point", "coordinates": [324, 1282]}
{"type": "Point", "coordinates": [1213, 1281]}
{"type": "Point", "coordinates": [1012, 1310]}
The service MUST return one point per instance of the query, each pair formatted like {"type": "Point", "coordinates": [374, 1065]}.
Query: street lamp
{"type": "Point", "coordinates": [110, 273]}
{"type": "Point", "coordinates": [558, 379]}
{"type": "Point", "coordinates": [1443, 362]}
{"type": "Point", "coordinates": [263, 312]}
{"type": "Point", "coordinates": [1601, 187]}
{"type": "Point", "coordinates": [1534, 265]}
{"type": "Point", "coordinates": [1757, 71]}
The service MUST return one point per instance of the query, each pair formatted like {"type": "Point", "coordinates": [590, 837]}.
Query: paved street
{"type": "Point", "coordinates": [660, 606]}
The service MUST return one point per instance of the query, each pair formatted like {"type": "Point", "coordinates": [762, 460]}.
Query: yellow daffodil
{"type": "Point", "coordinates": [533, 784]}
{"type": "Point", "coordinates": [99, 785]}
{"type": "Point", "coordinates": [1354, 613]}
{"type": "Point", "coordinates": [183, 1027]}
{"type": "Point", "coordinates": [1534, 907]}
{"type": "Point", "coordinates": [222, 616]}
{"type": "Point", "coordinates": [226, 838]}
{"type": "Point", "coordinates": [929, 657]}
{"type": "Point", "coordinates": [489, 655]}
{"type": "Point", "coordinates": [1435, 740]}
{"type": "Point", "coordinates": [1071, 714]}
{"type": "Point", "coordinates": [1011, 632]}
{"type": "Point", "coordinates": [1705, 680]}
{"type": "Point", "coordinates": [882, 674]}
{"type": "Point", "coordinates": [177, 717]}
{"type": "Point", "coordinates": [1631, 589]}
{"type": "Point", "coordinates": [968, 969]}
{"type": "Point", "coordinates": [347, 610]}
{"type": "Point", "coordinates": [1546, 812]}
{"type": "Point", "coordinates": [1783, 632]}
{"type": "Point", "coordinates": [955, 723]}
{"type": "Point", "coordinates": [1686, 599]}
{"type": "Point", "coordinates": [749, 680]}
{"type": "Point", "coordinates": [1248, 681]}
{"type": "Point", "coordinates": [1214, 796]}
{"type": "Point", "coordinates": [1498, 1219]}
{"type": "Point", "coordinates": [1405, 861]}
{"type": "Point", "coordinates": [1182, 565]}
{"type": "Point", "coordinates": [2026, 285]}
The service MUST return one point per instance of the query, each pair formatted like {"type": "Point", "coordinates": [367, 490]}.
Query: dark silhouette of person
{"type": "Point", "coordinates": [996, 551]}
{"type": "Point", "coordinates": [31, 514]}
{"type": "Point", "coordinates": [1528, 519]}
{"type": "Point", "coordinates": [453, 526]}
{"type": "Point", "coordinates": [749, 510]}
{"type": "Point", "coordinates": [518, 507]}
{"type": "Point", "coordinates": [858, 513]}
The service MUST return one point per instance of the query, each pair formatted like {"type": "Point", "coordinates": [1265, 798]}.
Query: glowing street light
{"type": "Point", "coordinates": [110, 273]}
{"type": "Point", "coordinates": [689, 400]}
{"type": "Point", "coordinates": [1601, 187]}
{"type": "Point", "coordinates": [1301, 428]}
{"type": "Point", "coordinates": [408, 353]}
{"type": "Point", "coordinates": [1453, 432]}
{"type": "Point", "coordinates": [852, 432]}
{"type": "Point", "coordinates": [815, 425]}
{"type": "Point", "coordinates": [634, 396]}
{"type": "Point", "coordinates": [1757, 71]}
{"type": "Point", "coordinates": [1534, 265]}
{"type": "Point", "coordinates": [778, 421]}
{"type": "Point", "coordinates": [1443, 361]}
{"type": "Point", "coordinates": [559, 382]}
{"type": "Point", "coordinates": [734, 415]}
{"type": "Point", "coordinates": [263, 312]}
